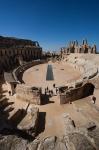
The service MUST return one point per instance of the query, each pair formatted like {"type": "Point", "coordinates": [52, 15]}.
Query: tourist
{"type": "Point", "coordinates": [70, 102]}
{"type": "Point", "coordinates": [56, 90]}
{"type": "Point", "coordinates": [94, 99]}
{"type": "Point", "coordinates": [51, 92]}
{"type": "Point", "coordinates": [47, 88]}
{"type": "Point", "coordinates": [45, 91]}
{"type": "Point", "coordinates": [54, 85]}
{"type": "Point", "coordinates": [40, 90]}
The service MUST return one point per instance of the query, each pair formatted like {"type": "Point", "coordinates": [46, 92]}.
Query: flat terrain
{"type": "Point", "coordinates": [63, 73]}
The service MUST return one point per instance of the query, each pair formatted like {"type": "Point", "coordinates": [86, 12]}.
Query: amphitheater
{"type": "Point", "coordinates": [46, 104]}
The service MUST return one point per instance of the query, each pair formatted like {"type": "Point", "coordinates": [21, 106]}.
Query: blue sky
{"type": "Point", "coordinates": [51, 22]}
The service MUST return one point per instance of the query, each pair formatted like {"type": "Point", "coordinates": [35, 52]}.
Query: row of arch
{"type": "Point", "coordinates": [27, 51]}
{"type": "Point", "coordinates": [11, 58]}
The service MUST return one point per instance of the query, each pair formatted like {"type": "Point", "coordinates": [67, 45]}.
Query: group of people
{"type": "Point", "coordinates": [50, 92]}
{"type": "Point", "coordinates": [47, 91]}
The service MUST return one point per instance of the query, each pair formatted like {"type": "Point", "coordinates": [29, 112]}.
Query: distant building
{"type": "Point", "coordinates": [74, 47]}
{"type": "Point", "coordinates": [13, 51]}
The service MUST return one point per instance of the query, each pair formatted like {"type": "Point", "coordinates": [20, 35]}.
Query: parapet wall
{"type": "Point", "coordinates": [73, 94]}
{"type": "Point", "coordinates": [18, 72]}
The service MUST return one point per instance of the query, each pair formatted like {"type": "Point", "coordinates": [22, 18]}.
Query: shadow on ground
{"type": "Point", "coordinates": [41, 122]}
{"type": "Point", "coordinates": [45, 99]}
{"type": "Point", "coordinates": [9, 126]}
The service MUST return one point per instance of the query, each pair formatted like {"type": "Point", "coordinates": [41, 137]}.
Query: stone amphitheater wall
{"type": "Point", "coordinates": [88, 80]}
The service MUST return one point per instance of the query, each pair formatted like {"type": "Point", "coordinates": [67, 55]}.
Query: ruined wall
{"type": "Point", "coordinates": [77, 93]}
{"type": "Point", "coordinates": [75, 47]}
{"type": "Point", "coordinates": [29, 94]}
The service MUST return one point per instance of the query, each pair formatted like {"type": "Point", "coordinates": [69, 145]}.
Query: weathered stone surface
{"type": "Point", "coordinates": [60, 146]}
{"type": "Point", "coordinates": [74, 141]}
{"type": "Point", "coordinates": [94, 134]}
{"type": "Point", "coordinates": [52, 143]}
{"type": "Point", "coordinates": [12, 143]}
{"type": "Point", "coordinates": [80, 142]}
{"type": "Point", "coordinates": [33, 145]}
{"type": "Point", "coordinates": [49, 143]}
{"type": "Point", "coordinates": [28, 93]}
{"type": "Point", "coordinates": [30, 121]}
{"type": "Point", "coordinates": [68, 124]}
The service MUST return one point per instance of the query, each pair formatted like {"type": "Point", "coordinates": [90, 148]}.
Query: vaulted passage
{"type": "Point", "coordinates": [49, 74]}
{"type": "Point", "coordinates": [88, 89]}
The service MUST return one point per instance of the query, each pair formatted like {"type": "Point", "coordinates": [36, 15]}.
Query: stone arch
{"type": "Point", "coordinates": [17, 59]}
{"type": "Point", "coordinates": [86, 50]}
{"type": "Point", "coordinates": [88, 89]}
{"type": "Point", "coordinates": [80, 50]}
{"type": "Point", "coordinates": [10, 61]}
{"type": "Point", "coordinates": [34, 53]}
{"type": "Point", "coordinates": [72, 50]}
{"type": "Point", "coordinates": [37, 55]}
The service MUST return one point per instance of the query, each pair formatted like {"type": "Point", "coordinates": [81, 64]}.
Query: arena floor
{"type": "Point", "coordinates": [62, 74]}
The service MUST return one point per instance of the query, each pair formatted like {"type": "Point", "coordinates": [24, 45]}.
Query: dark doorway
{"type": "Point", "coordinates": [88, 89]}
{"type": "Point", "coordinates": [86, 50]}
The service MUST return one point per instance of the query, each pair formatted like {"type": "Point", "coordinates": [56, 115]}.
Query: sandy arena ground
{"type": "Point", "coordinates": [63, 73]}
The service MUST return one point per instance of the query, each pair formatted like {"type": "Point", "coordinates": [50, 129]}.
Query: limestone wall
{"type": "Point", "coordinates": [30, 122]}
{"type": "Point", "coordinates": [73, 94]}
{"type": "Point", "coordinates": [29, 94]}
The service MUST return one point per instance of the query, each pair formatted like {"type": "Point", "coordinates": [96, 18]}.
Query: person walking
{"type": "Point", "coordinates": [54, 85]}
{"type": "Point", "coordinates": [47, 88]}
{"type": "Point", "coordinates": [56, 90]}
{"type": "Point", "coordinates": [51, 92]}
{"type": "Point", "coordinates": [45, 91]}
{"type": "Point", "coordinates": [94, 99]}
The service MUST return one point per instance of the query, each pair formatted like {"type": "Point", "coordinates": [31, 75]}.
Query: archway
{"type": "Point", "coordinates": [88, 89]}
{"type": "Point", "coordinates": [86, 50]}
